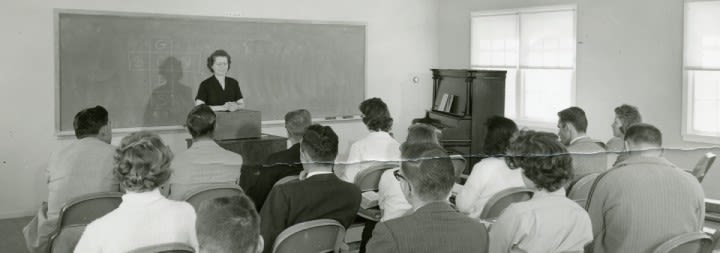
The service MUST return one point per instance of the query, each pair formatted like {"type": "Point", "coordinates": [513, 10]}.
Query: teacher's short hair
{"type": "Point", "coordinates": [228, 224]}
{"type": "Point", "coordinates": [217, 53]}
{"type": "Point", "coordinates": [200, 121]}
{"type": "Point", "coordinates": [142, 162]}
{"type": "Point", "coordinates": [89, 121]}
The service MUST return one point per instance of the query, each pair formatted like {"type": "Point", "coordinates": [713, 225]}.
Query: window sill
{"type": "Point", "coordinates": [536, 125]}
{"type": "Point", "coordinates": [699, 138]}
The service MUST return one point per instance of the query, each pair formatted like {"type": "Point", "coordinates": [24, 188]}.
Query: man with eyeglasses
{"type": "Point", "coordinates": [426, 177]}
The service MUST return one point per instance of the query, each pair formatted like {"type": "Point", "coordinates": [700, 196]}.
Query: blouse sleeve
{"type": "Point", "coordinates": [202, 94]}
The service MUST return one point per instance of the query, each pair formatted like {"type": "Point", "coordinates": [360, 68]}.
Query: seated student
{"type": "Point", "coordinates": [588, 155]}
{"type": "Point", "coordinates": [391, 200]}
{"type": "Point", "coordinates": [377, 146]}
{"type": "Point", "coordinates": [205, 162]}
{"type": "Point", "coordinates": [228, 225]}
{"type": "Point", "coordinates": [625, 116]}
{"type": "Point", "coordinates": [548, 222]}
{"type": "Point", "coordinates": [145, 217]}
{"type": "Point", "coordinates": [320, 195]}
{"type": "Point", "coordinates": [284, 163]}
{"type": "Point", "coordinates": [644, 200]}
{"type": "Point", "coordinates": [426, 177]}
{"type": "Point", "coordinates": [491, 175]}
{"type": "Point", "coordinates": [81, 168]}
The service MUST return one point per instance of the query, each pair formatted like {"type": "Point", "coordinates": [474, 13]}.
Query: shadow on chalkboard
{"type": "Point", "coordinates": [171, 102]}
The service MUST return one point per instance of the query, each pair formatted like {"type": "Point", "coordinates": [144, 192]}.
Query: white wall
{"type": "Point", "coordinates": [628, 52]}
{"type": "Point", "coordinates": [402, 43]}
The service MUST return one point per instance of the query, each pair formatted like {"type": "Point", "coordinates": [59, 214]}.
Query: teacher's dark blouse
{"type": "Point", "coordinates": [212, 93]}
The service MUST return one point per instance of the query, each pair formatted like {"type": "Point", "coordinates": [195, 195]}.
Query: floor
{"type": "Point", "coordinates": [11, 237]}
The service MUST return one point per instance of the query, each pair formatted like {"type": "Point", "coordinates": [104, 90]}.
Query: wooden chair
{"type": "Point", "coordinates": [703, 165]}
{"type": "Point", "coordinates": [323, 235]}
{"type": "Point", "coordinates": [501, 200]}
{"type": "Point", "coordinates": [287, 180]}
{"type": "Point", "coordinates": [174, 247]}
{"type": "Point", "coordinates": [581, 189]}
{"type": "Point", "coordinates": [693, 242]}
{"type": "Point", "coordinates": [369, 180]}
{"type": "Point", "coordinates": [201, 194]}
{"type": "Point", "coordinates": [78, 213]}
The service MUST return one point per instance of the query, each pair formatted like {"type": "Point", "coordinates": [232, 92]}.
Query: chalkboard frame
{"type": "Point", "coordinates": [56, 29]}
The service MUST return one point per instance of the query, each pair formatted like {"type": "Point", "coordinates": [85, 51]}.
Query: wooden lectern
{"type": "Point", "coordinates": [240, 124]}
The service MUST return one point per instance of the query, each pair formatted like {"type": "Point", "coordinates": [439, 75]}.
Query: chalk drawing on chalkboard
{"type": "Point", "coordinates": [138, 61]}
{"type": "Point", "coordinates": [172, 100]}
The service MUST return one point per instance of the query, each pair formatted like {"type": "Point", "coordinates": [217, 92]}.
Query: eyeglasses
{"type": "Point", "coordinates": [398, 176]}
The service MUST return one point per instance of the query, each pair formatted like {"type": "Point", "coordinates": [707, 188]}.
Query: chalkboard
{"type": "Point", "coordinates": [145, 68]}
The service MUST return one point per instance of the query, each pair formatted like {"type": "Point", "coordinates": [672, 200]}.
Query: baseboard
{"type": "Point", "coordinates": [17, 214]}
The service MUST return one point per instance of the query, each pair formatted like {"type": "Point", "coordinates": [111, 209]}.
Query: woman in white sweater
{"type": "Point", "coordinates": [145, 217]}
{"type": "Point", "coordinates": [491, 175]}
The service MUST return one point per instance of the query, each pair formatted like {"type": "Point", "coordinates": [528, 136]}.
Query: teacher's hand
{"type": "Point", "coordinates": [231, 106]}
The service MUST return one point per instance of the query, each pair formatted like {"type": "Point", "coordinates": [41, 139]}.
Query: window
{"type": "Point", "coordinates": [537, 49]}
{"type": "Point", "coordinates": [701, 68]}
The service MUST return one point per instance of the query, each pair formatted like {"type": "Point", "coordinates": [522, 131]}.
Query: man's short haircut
{"type": "Point", "coordinates": [228, 224]}
{"type": "Point", "coordinates": [321, 143]}
{"type": "Point", "coordinates": [544, 160]}
{"type": "Point", "coordinates": [89, 121]}
{"type": "Point", "coordinates": [418, 134]}
{"type": "Point", "coordinates": [499, 132]}
{"type": "Point", "coordinates": [428, 169]}
{"type": "Point", "coordinates": [376, 115]}
{"type": "Point", "coordinates": [644, 133]}
{"type": "Point", "coordinates": [200, 121]}
{"type": "Point", "coordinates": [297, 121]}
{"type": "Point", "coordinates": [629, 115]}
{"type": "Point", "coordinates": [142, 162]}
{"type": "Point", "coordinates": [217, 53]}
{"type": "Point", "coordinates": [575, 116]}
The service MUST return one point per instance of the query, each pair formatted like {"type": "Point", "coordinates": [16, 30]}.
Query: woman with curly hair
{"type": "Point", "coordinates": [625, 116]}
{"type": "Point", "coordinates": [378, 146]}
{"type": "Point", "coordinates": [548, 222]}
{"type": "Point", "coordinates": [491, 175]}
{"type": "Point", "coordinates": [145, 217]}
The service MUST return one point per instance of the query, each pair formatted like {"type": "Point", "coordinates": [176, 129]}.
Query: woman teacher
{"type": "Point", "coordinates": [220, 92]}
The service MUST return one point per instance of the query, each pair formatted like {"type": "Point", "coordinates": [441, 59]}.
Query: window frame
{"type": "Point", "coordinates": [688, 133]}
{"type": "Point", "coordinates": [519, 97]}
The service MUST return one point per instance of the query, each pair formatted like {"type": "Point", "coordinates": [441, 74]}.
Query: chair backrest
{"type": "Point", "coordinates": [85, 209]}
{"type": "Point", "coordinates": [581, 189]}
{"type": "Point", "coordinates": [715, 241]}
{"type": "Point", "coordinates": [287, 180]}
{"type": "Point", "coordinates": [197, 196]}
{"type": "Point", "coordinates": [703, 165]}
{"type": "Point", "coordinates": [323, 235]}
{"type": "Point", "coordinates": [175, 247]}
{"type": "Point", "coordinates": [693, 242]}
{"type": "Point", "coordinates": [78, 213]}
{"type": "Point", "coordinates": [501, 200]}
{"type": "Point", "coordinates": [369, 179]}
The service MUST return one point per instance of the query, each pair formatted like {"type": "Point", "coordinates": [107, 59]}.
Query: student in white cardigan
{"type": "Point", "coordinates": [492, 174]}
{"type": "Point", "coordinates": [378, 146]}
{"type": "Point", "coordinates": [145, 217]}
